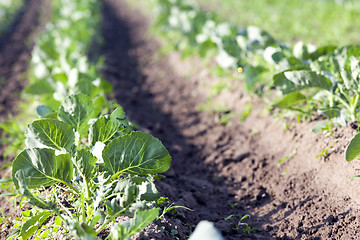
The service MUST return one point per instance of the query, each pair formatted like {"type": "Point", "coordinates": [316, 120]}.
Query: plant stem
{"type": "Point", "coordinates": [343, 102]}
{"type": "Point", "coordinates": [103, 225]}
{"type": "Point", "coordinates": [108, 220]}
{"type": "Point", "coordinates": [63, 208]}
{"type": "Point", "coordinates": [355, 104]}
{"type": "Point", "coordinates": [83, 207]}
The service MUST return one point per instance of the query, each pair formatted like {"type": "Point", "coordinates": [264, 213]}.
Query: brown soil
{"type": "Point", "coordinates": [15, 51]}
{"type": "Point", "coordinates": [217, 170]}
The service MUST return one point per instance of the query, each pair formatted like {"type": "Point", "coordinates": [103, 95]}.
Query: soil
{"type": "Point", "coordinates": [220, 171]}
{"type": "Point", "coordinates": [15, 52]}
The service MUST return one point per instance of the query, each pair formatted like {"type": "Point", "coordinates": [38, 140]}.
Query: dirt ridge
{"type": "Point", "coordinates": [220, 171]}
{"type": "Point", "coordinates": [15, 50]}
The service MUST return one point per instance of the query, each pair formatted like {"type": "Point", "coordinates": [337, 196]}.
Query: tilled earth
{"type": "Point", "coordinates": [15, 51]}
{"type": "Point", "coordinates": [220, 172]}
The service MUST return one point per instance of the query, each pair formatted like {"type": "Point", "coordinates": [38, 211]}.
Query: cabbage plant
{"type": "Point", "coordinates": [88, 170]}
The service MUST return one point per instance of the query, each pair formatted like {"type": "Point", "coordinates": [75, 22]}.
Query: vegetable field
{"type": "Point", "coordinates": [166, 120]}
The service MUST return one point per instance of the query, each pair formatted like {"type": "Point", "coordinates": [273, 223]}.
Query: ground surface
{"type": "Point", "coordinates": [15, 51]}
{"type": "Point", "coordinates": [217, 170]}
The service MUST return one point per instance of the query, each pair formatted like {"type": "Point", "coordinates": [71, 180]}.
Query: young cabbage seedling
{"type": "Point", "coordinates": [105, 169]}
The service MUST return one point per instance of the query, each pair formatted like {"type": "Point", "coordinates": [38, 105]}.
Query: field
{"type": "Point", "coordinates": [258, 135]}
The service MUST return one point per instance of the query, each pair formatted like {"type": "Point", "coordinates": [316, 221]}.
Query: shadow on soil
{"type": "Point", "coordinates": [190, 181]}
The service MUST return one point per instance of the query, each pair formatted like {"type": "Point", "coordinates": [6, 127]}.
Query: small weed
{"type": "Point", "coordinates": [244, 227]}
{"type": "Point", "coordinates": [169, 209]}
{"type": "Point", "coordinates": [224, 118]}
{"type": "Point", "coordinates": [291, 155]}
{"type": "Point", "coordinates": [246, 112]}
{"type": "Point", "coordinates": [254, 131]}
{"type": "Point", "coordinates": [233, 205]}
{"type": "Point", "coordinates": [325, 153]}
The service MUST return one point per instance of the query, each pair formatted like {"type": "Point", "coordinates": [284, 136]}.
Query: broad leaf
{"type": "Point", "coordinates": [113, 207]}
{"type": "Point", "coordinates": [34, 223]}
{"type": "Point", "coordinates": [145, 189]}
{"type": "Point", "coordinates": [81, 230]}
{"type": "Point", "coordinates": [85, 163]}
{"type": "Point", "coordinates": [353, 149]}
{"type": "Point", "coordinates": [43, 110]}
{"type": "Point", "coordinates": [135, 225]}
{"type": "Point", "coordinates": [50, 133]}
{"type": "Point", "coordinates": [291, 81]}
{"type": "Point", "coordinates": [98, 104]}
{"type": "Point", "coordinates": [106, 86]}
{"type": "Point", "coordinates": [355, 68]}
{"type": "Point", "coordinates": [291, 100]}
{"type": "Point", "coordinates": [76, 110]}
{"type": "Point", "coordinates": [148, 192]}
{"type": "Point", "coordinates": [253, 76]}
{"type": "Point", "coordinates": [137, 153]}
{"type": "Point", "coordinates": [107, 126]}
{"type": "Point", "coordinates": [40, 87]}
{"type": "Point", "coordinates": [321, 52]}
{"type": "Point", "coordinates": [132, 194]}
{"type": "Point", "coordinates": [42, 168]}
{"type": "Point", "coordinates": [21, 183]}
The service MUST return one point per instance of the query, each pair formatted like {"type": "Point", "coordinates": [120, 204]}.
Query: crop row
{"type": "Point", "coordinates": [321, 82]}
{"type": "Point", "coordinates": [83, 165]}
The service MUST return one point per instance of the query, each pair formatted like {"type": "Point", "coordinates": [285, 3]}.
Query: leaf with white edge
{"type": "Point", "coordinates": [76, 110]}
{"type": "Point", "coordinates": [42, 167]}
{"type": "Point", "coordinates": [81, 230]}
{"type": "Point", "coordinates": [291, 81]}
{"type": "Point", "coordinates": [291, 100]}
{"type": "Point", "coordinates": [34, 223]}
{"type": "Point", "coordinates": [97, 150]}
{"type": "Point", "coordinates": [21, 181]}
{"type": "Point", "coordinates": [148, 192]}
{"type": "Point", "coordinates": [353, 149]}
{"type": "Point", "coordinates": [135, 225]}
{"type": "Point", "coordinates": [145, 189]}
{"type": "Point", "coordinates": [321, 52]}
{"type": "Point", "coordinates": [103, 129]}
{"type": "Point", "coordinates": [85, 162]}
{"type": "Point", "coordinates": [355, 69]}
{"type": "Point", "coordinates": [98, 104]}
{"type": "Point", "coordinates": [137, 153]}
{"type": "Point", "coordinates": [50, 133]}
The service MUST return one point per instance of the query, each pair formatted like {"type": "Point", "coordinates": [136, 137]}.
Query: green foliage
{"type": "Point", "coordinates": [140, 221]}
{"type": "Point", "coordinates": [50, 132]}
{"type": "Point", "coordinates": [137, 153]}
{"type": "Point", "coordinates": [82, 170]}
{"type": "Point", "coordinates": [76, 110]}
{"type": "Point", "coordinates": [313, 81]}
{"type": "Point", "coordinates": [82, 164]}
{"type": "Point", "coordinates": [291, 81]}
{"type": "Point", "coordinates": [292, 20]}
{"type": "Point", "coordinates": [353, 149]}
